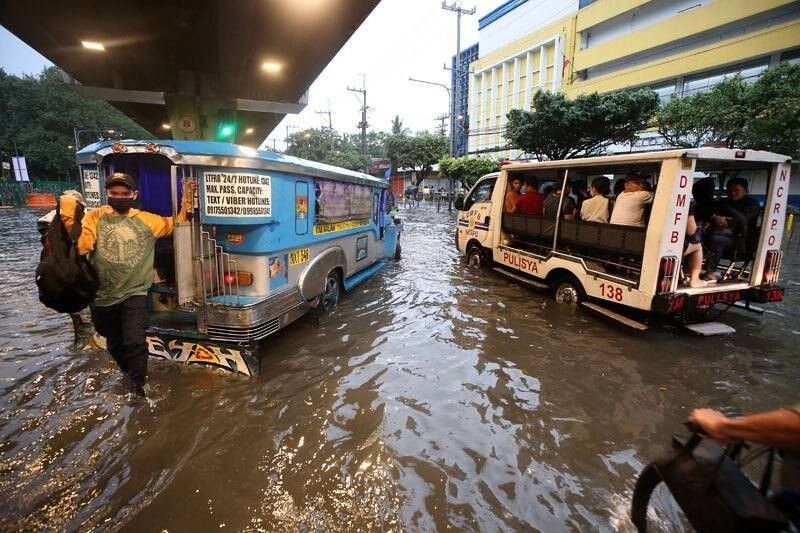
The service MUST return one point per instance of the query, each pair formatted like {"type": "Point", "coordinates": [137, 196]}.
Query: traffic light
{"type": "Point", "coordinates": [226, 125]}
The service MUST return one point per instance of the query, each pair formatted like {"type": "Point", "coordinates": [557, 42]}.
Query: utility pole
{"type": "Point", "coordinates": [442, 128]}
{"type": "Point", "coordinates": [456, 129]}
{"type": "Point", "coordinates": [330, 123]}
{"type": "Point", "coordinates": [363, 123]}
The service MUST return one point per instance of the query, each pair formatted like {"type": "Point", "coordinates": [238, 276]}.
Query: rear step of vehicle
{"type": "Point", "coordinates": [707, 329]}
{"type": "Point", "coordinates": [631, 323]}
{"type": "Point", "coordinates": [522, 279]}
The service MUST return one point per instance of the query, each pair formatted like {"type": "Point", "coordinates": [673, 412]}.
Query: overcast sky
{"type": "Point", "coordinates": [400, 39]}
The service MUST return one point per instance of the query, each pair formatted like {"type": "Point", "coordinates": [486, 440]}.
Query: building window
{"type": "Point", "coordinates": [792, 56]}
{"type": "Point", "coordinates": [749, 72]}
{"type": "Point", "coordinates": [664, 91]}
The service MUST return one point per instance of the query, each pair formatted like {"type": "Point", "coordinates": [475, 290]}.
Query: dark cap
{"type": "Point", "coordinates": [120, 178]}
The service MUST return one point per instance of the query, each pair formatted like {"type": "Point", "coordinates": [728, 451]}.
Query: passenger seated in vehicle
{"type": "Point", "coordinates": [578, 193]}
{"type": "Point", "coordinates": [629, 207]}
{"type": "Point", "coordinates": [734, 221]}
{"type": "Point", "coordinates": [551, 205]}
{"type": "Point", "coordinates": [510, 204]}
{"type": "Point", "coordinates": [598, 207]}
{"type": "Point", "coordinates": [703, 194]}
{"type": "Point", "coordinates": [531, 202]}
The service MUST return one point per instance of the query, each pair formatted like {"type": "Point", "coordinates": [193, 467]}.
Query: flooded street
{"type": "Point", "coordinates": [435, 397]}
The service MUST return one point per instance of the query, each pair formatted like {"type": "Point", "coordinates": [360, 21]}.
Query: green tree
{"type": "Point", "coordinates": [774, 112]}
{"type": "Point", "coordinates": [315, 145]}
{"type": "Point", "coordinates": [39, 114]}
{"type": "Point", "coordinates": [467, 170]}
{"type": "Point", "coordinates": [764, 115]}
{"type": "Point", "coordinates": [397, 126]}
{"type": "Point", "coordinates": [376, 142]}
{"type": "Point", "coordinates": [718, 116]}
{"type": "Point", "coordinates": [561, 128]}
{"type": "Point", "coordinates": [418, 153]}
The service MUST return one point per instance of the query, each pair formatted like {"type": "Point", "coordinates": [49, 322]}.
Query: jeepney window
{"type": "Point", "coordinates": [376, 201]}
{"type": "Point", "coordinates": [481, 193]}
{"type": "Point", "coordinates": [337, 201]}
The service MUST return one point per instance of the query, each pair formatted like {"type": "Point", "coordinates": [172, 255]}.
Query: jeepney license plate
{"type": "Point", "coordinates": [299, 256]}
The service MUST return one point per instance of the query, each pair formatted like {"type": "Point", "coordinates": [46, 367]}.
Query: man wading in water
{"type": "Point", "coordinates": [122, 241]}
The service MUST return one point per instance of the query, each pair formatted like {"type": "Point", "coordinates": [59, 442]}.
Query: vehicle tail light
{"type": "Point", "coordinates": [667, 271]}
{"type": "Point", "coordinates": [238, 277]}
{"type": "Point", "coordinates": [677, 304]}
{"type": "Point", "coordinates": [772, 267]}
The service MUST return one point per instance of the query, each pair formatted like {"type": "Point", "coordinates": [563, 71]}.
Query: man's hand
{"type": "Point", "coordinates": [713, 423]}
{"type": "Point", "coordinates": [189, 186]}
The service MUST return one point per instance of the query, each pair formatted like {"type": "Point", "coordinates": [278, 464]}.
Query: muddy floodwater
{"type": "Point", "coordinates": [435, 397]}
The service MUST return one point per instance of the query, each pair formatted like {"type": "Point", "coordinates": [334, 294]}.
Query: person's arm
{"type": "Point", "coordinates": [163, 226]}
{"type": "Point", "coordinates": [88, 236]}
{"type": "Point", "coordinates": [779, 428]}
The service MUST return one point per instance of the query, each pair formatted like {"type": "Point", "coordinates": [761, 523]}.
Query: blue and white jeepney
{"type": "Point", "coordinates": [269, 237]}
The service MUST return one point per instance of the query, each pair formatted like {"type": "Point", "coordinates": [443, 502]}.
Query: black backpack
{"type": "Point", "coordinates": [67, 281]}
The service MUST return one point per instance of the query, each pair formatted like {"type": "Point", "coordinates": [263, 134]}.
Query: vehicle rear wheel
{"type": "Point", "coordinates": [332, 292]}
{"type": "Point", "coordinates": [476, 258]}
{"type": "Point", "coordinates": [568, 291]}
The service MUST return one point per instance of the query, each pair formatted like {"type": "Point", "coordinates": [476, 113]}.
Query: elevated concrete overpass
{"type": "Point", "coordinates": [191, 69]}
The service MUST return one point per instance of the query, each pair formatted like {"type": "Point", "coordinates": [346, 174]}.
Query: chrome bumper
{"type": "Point", "coordinates": [249, 323]}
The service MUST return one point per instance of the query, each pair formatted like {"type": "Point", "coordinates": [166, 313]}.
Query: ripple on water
{"type": "Point", "coordinates": [435, 397]}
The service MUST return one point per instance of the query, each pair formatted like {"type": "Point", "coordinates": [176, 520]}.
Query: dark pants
{"type": "Point", "coordinates": [717, 245]}
{"type": "Point", "coordinates": [123, 325]}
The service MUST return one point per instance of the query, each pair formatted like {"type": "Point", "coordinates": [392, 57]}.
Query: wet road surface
{"type": "Point", "coordinates": [435, 397]}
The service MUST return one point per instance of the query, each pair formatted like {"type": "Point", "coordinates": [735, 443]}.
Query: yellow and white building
{"type": "Point", "coordinates": [580, 46]}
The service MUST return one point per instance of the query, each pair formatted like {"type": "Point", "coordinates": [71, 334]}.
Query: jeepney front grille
{"type": "Point", "coordinates": [229, 333]}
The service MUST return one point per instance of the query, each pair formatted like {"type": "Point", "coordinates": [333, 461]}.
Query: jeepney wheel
{"type": "Point", "coordinates": [332, 292]}
{"type": "Point", "coordinates": [568, 291]}
{"type": "Point", "coordinates": [476, 258]}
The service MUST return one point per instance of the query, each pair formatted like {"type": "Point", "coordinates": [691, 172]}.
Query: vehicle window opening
{"type": "Point", "coordinates": [728, 207]}
{"type": "Point", "coordinates": [340, 202]}
{"type": "Point", "coordinates": [481, 193]}
{"type": "Point", "coordinates": [606, 246]}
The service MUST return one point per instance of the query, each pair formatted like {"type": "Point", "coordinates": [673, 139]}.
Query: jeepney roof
{"type": "Point", "coordinates": [219, 154]}
{"type": "Point", "coordinates": [718, 154]}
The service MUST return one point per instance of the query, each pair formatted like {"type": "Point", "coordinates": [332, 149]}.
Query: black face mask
{"type": "Point", "coordinates": [121, 205]}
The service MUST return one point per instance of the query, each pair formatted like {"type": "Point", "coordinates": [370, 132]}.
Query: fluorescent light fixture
{"type": "Point", "coordinates": [249, 131]}
{"type": "Point", "coordinates": [166, 126]}
{"type": "Point", "coordinates": [93, 45]}
{"type": "Point", "coordinates": [271, 67]}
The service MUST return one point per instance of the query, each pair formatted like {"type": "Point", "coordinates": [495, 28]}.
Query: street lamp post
{"type": "Point", "coordinates": [451, 147]}
{"type": "Point", "coordinates": [446, 88]}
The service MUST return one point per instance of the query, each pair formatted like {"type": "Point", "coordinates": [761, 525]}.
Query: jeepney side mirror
{"type": "Point", "coordinates": [459, 203]}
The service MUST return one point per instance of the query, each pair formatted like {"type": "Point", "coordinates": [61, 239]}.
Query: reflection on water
{"type": "Point", "coordinates": [435, 397]}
